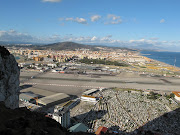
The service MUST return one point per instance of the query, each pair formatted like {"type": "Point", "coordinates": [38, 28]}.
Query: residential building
{"type": "Point", "coordinates": [100, 130]}
{"type": "Point", "coordinates": [80, 127]}
{"type": "Point", "coordinates": [89, 98]}
{"type": "Point", "coordinates": [177, 95]}
{"type": "Point", "coordinates": [63, 117]}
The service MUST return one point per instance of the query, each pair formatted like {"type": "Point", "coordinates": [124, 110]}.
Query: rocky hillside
{"type": "Point", "coordinates": [9, 79]}
{"type": "Point", "coordinates": [21, 121]}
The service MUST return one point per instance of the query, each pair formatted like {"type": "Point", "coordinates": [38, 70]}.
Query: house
{"type": "Point", "coordinates": [91, 91]}
{"type": "Point", "coordinates": [177, 95]}
{"type": "Point", "coordinates": [63, 117]}
{"type": "Point", "coordinates": [80, 127]}
{"type": "Point", "coordinates": [89, 98]}
{"type": "Point", "coordinates": [100, 130]}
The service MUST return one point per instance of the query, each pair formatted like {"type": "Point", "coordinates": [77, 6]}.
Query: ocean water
{"type": "Point", "coordinates": [166, 57]}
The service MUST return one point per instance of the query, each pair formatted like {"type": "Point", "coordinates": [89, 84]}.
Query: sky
{"type": "Point", "coordinates": [129, 23]}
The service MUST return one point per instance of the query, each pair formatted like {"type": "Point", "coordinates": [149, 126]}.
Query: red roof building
{"type": "Point", "coordinates": [177, 95]}
{"type": "Point", "coordinates": [101, 129]}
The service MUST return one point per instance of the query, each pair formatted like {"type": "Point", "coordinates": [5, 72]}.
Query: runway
{"type": "Point", "coordinates": [76, 85]}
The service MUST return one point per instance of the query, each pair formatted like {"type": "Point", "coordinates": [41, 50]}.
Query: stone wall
{"type": "Point", "coordinates": [9, 79]}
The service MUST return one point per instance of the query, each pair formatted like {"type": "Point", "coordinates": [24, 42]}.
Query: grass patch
{"type": "Point", "coordinates": [103, 61]}
{"type": "Point", "coordinates": [153, 95]}
{"type": "Point", "coordinates": [169, 96]}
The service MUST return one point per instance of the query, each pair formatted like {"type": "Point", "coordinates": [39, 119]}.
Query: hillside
{"type": "Point", "coordinates": [65, 46]}
{"type": "Point", "coordinates": [74, 46]}
{"type": "Point", "coordinates": [21, 121]}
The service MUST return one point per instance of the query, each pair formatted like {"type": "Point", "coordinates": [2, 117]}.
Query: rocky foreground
{"type": "Point", "coordinates": [21, 121]}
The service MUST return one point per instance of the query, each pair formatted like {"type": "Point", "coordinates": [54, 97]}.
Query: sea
{"type": "Point", "coordinates": [170, 58]}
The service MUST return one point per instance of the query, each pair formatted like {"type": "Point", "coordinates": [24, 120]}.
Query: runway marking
{"type": "Point", "coordinates": [61, 85]}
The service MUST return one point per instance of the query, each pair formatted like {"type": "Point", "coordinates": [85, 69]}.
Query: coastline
{"type": "Point", "coordinates": [160, 62]}
{"type": "Point", "coordinates": [169, 58]}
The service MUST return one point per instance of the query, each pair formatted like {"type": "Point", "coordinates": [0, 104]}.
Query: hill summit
{"type": "Point", "coordinates": [66, 46]}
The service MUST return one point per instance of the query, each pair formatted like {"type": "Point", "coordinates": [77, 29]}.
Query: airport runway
{"type": "Point", "coordinates": [76, 85]}
{"type": "Point", "coordinates": [105, 81]}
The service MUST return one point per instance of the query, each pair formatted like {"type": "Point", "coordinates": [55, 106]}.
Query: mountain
{"type": "Point", "coordinates": [74, 46]}
{"type": "Point", "coordinates": [66, 46]}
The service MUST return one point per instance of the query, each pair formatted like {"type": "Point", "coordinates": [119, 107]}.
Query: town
{"type": "Point", "coordinates": [110, 90]}
{"type": "Point", "coordinates": [89, 67]}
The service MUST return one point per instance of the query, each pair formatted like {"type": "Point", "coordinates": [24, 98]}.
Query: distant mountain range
{"type": "Point", "coordinates": [72, 46]}
{"type": "Point", "coordinates": [64, 46]}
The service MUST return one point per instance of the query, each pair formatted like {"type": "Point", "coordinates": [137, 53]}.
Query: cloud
{"type": "Point", "coordinates": [113, 19]}
{"type": "Point", "coordinates": [162, 20]}
{"type": "Point", "coordinates": [109, 19]}
{"type": "Point", "coordinates": [109, 36]}
{"type": "Point", "coordinates": [142, 41]}
{"type": "Point", "coordinates": [13, 35]}
{"type": "Point", "coordinates": [80, 20]}
{"type": "Point", "coordinates": [51, 0]}
{"type": "Point", "coordinates": [94, 38]}
{"type": "Point", "coordinates": [77, 19]}
{"type": "Point", "coordinates": [95, 18]}
{"type": "Point", "coordinates": [69, 19]}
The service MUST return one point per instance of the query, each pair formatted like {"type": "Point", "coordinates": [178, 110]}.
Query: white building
{"type": "Point", "coordinates": [91, 91]}
{"type": "Point", "coordinates": [33, 54]}
{"type": "Point", "coordinates": [52, 65]}
{"type": "Point", "coordinates": [89, 98]}
{"type": "Point", "coordinates": [177, 95]}
{"type": "Point", "coordinates": [63, 117]}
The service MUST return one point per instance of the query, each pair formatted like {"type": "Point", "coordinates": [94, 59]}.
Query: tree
{"type": "Point", "coordinates": [58, 64]}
